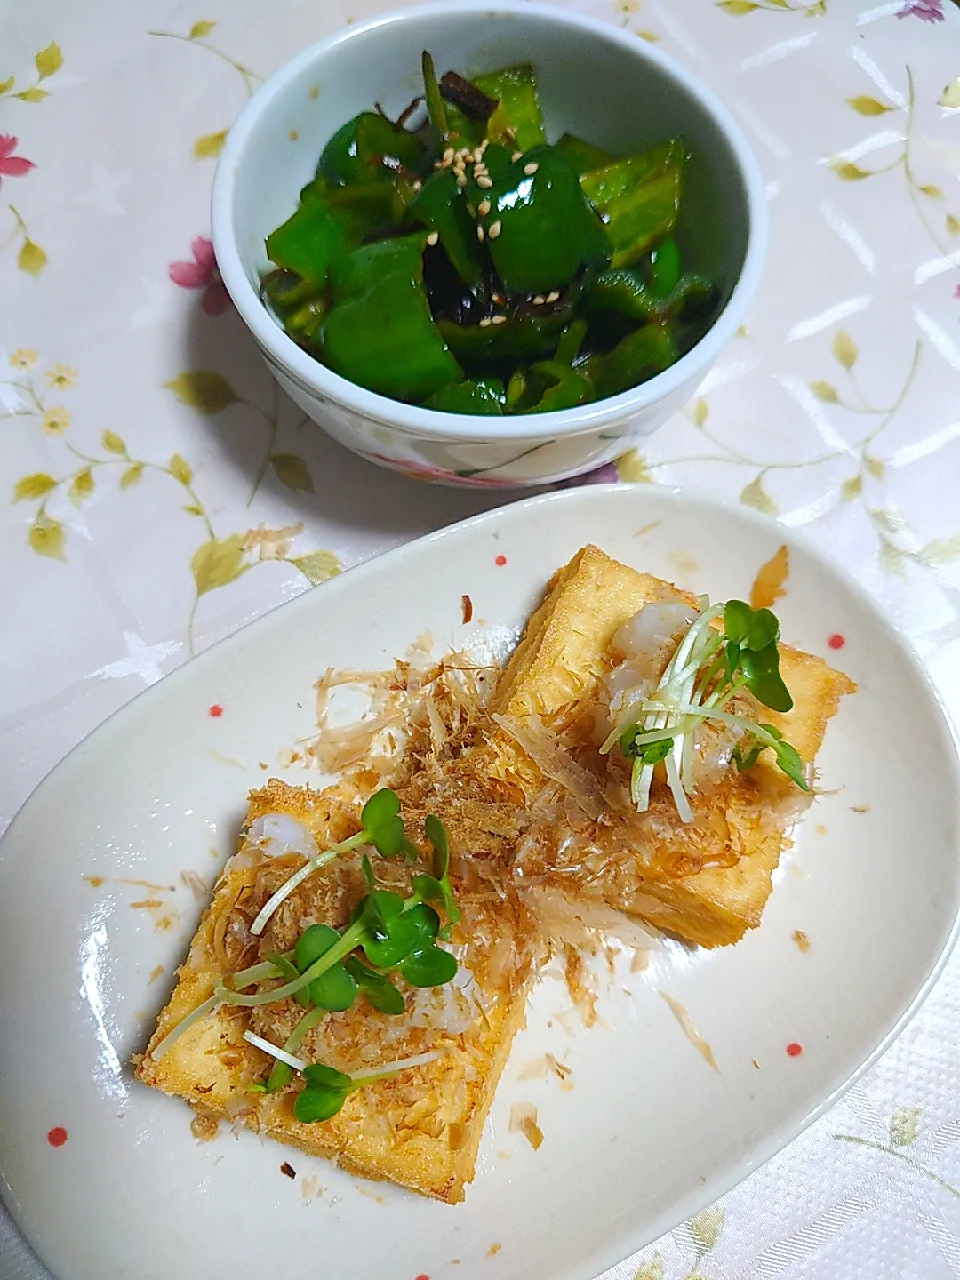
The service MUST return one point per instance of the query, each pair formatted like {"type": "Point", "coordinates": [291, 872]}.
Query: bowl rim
{"type": "Point", "coordinates": [315, 379]}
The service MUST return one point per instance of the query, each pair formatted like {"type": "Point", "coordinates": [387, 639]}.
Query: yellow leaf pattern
{"type": "Point", "coordinates": [81, 486]}
{"type": "Point", "coordinates": [652, 1270]}
{"type": "Point", "coordinates": [755, 495]}
{"type": "Point", "coordinates": [179, 469]}
{"type": "Point", "coordinates": [849, 171]}
{"type": "Point", "coordinates": [48, 61]}
{"type": "Point", "coordinates": [845, 349]}
{"type": "Point", "coordinates": [209, 145]}
{"type": "Point", "coordinates": [706, 1228]}
{"type": "Point", "coordinates": [905, 1126]}
{"type": "Point", "coordinates": [203, 389]}
{"type": "Point", "coordinates": [31, 259]}
{"type": "Point", "coordinates": [632, 467]}
{"type": "Point", "coordinates": [317, 566]}
{"type": "Point", "coordinates": [867, 106]}
{"type": "Point", "coordinates": [113, 444]}
{"type": "Point", "coordinates": [33, 487]}
{"type": "Point", "coordinates": [292, 471]}
{"type": "Point", "coordinates": [46, 537]}
{"type": "Point", "coordinates": [218, 562]}
{"type": "Point", "coordinates": [824, 391]}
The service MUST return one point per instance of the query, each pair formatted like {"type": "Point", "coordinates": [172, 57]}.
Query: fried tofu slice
{"type": "Point", "coordinates": [420, 1129]}
{"type": "Point", "coordinates": [741, 828]}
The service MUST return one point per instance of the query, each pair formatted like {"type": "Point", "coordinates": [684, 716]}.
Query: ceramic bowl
{"type": "Point", "coordinates": [595, 80]}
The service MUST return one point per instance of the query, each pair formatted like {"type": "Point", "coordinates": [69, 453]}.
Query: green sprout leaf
{"type": "Point", "coordinates": [367, 871]}
{"type": "Point", "coordinates": [429, 967]}
{"type": "Point", "coordinates": [403, 936]}
{"type": "Point", "coordinates": [788, 758]}
{"type": "Point", "coordinates": [326, 1092]}
{"type": "Point", "coordinates": [750, 647]}
{"type": "Point", "coordinates": [289, 971]}
{"type": "Point", "coordinates": [383, 824]}
{"type": "Point", "coordinates": [437, 888]}
{"type": "Point", "coordinates": [745, 760]}
{"type": "Point", "coordinates": [378, 989]}
{"type": "Point", "coordinates": [334, 990]}
{"type": "Point", "coordinates": [312, 944]}
{"type": "Point", "coordinates": [647, 752]}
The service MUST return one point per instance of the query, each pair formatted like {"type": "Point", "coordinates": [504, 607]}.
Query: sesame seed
{"type": "Point", "coordinates": [433, 237]}
{"type": "Point", "coordinates": [532, 167]}
{"type": "Point", "coordinates": [478, 155]}
{"type": "Point", "coordinates": [553, 295]}
{"type": "Point", "coordinates": [516, 156]}
{"type": "Point", "coordinates": [461, 179]}
{"type": "Point", "coordinates": [498, 319]}
{"type": "Point", "coordinates": [539, 300]}
{"type": "Point", "coordinates": [485, 321]}
{"type": "Point", "coordinates": [472, 211]}
{"type": "Point", "coordinates": [484, 181]}
{"type": "Point", "coordinates": [480, 233]}
{"type": "Point", "coordinates": [483, 208]}
{"type": "Point", "coordinates": [448, 155]}
{"type": "Point", "coordinates": [498, 297]}
{"type": "Point", "coordinates": [417, 185]}
{"type": "Point", "coordinates": [495, 230]}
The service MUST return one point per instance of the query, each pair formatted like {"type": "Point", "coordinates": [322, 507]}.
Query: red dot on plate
{"type": "Point", "coordinates": [836, 641]}
{"type": "Point", "coordinates": [216, 710]}
{"type": "Point", "coordinates": [422, 1277]}
{"type": "Point", "coordinates": [57, 1136]}
{"type": "Point", "coordinates": [794, 1050]}
{"type": "Point", "coordinates": [499, 560]}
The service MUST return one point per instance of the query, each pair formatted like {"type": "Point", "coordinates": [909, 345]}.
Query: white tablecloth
{"type": "Point", "coordinates": [157, 492]}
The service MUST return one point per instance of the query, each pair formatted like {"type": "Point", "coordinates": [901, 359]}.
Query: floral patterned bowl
{"type": "Point", "coordinates": [272, 152]}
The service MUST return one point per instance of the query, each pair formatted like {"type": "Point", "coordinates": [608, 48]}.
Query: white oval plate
{"type": "Point", "coordinates": [649, 1133]}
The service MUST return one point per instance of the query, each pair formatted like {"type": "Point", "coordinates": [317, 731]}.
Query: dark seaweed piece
{"type": "Point", "coordinates": [473, 102]}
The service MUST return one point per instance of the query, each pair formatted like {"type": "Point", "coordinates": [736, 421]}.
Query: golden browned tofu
{"type": "Point", "coordinates": [421, 1128]}
{"type": "Point", "coordinates": [707, 881]}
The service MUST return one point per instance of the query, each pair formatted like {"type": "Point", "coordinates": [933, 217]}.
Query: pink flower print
{"type": "Point", "coordinates": [11, 165]}
{"type": "Point", "coordinates": [202, 273]}
{"type": "Point", "coordinates": [925, 10]}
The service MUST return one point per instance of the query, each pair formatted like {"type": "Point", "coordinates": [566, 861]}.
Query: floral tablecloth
{"type": "Point", "coordinates": [157, 492]}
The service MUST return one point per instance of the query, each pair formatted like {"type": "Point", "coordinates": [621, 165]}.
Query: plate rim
{"type": "Point", "coordinates": [737, 1168]}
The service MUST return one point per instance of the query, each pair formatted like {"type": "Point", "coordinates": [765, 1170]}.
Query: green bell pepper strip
{"type": "Point", "coordinates": [309, 241]}
{"type": "Point", "coordinates": [541, 229]}
{"type": "Point", "coordinates": [571, 340]}
{"type": "Point", "coordinates": [572, 389]}
{"type": "Point", "coordinates": [642, 216]}
{"type": "Point", "coordinates": [639, 199]}
{"type": "Point", "coordinates": [665, 268]}
{"type": "Point", "coordinates": [441, 207]}
{"type": "Point", "coordinates": [436, 107]}
{"type": "Point", "coordinates": [356, 151]}
{"type": "Point", "coordinates": [366, 210]}
{"type": "Point", "coordinates": [305, 322]}
{"type": "Point", "coordinates": [639, 356]}
{"type": "Point", "coordinates": [380, 333]}
{"type": "Point", "coordinates": [517, 121]}
{"type": "Point", "coordinates": [584, 156]}
{"type": "Point", "coordinates": [617, 178]}
{"type": "Point", "coordinates": [480, 395]}
{"type": "Point", "coordinates": [623, 290]}
{"type": "Point", "coordinates": [330, 222]}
